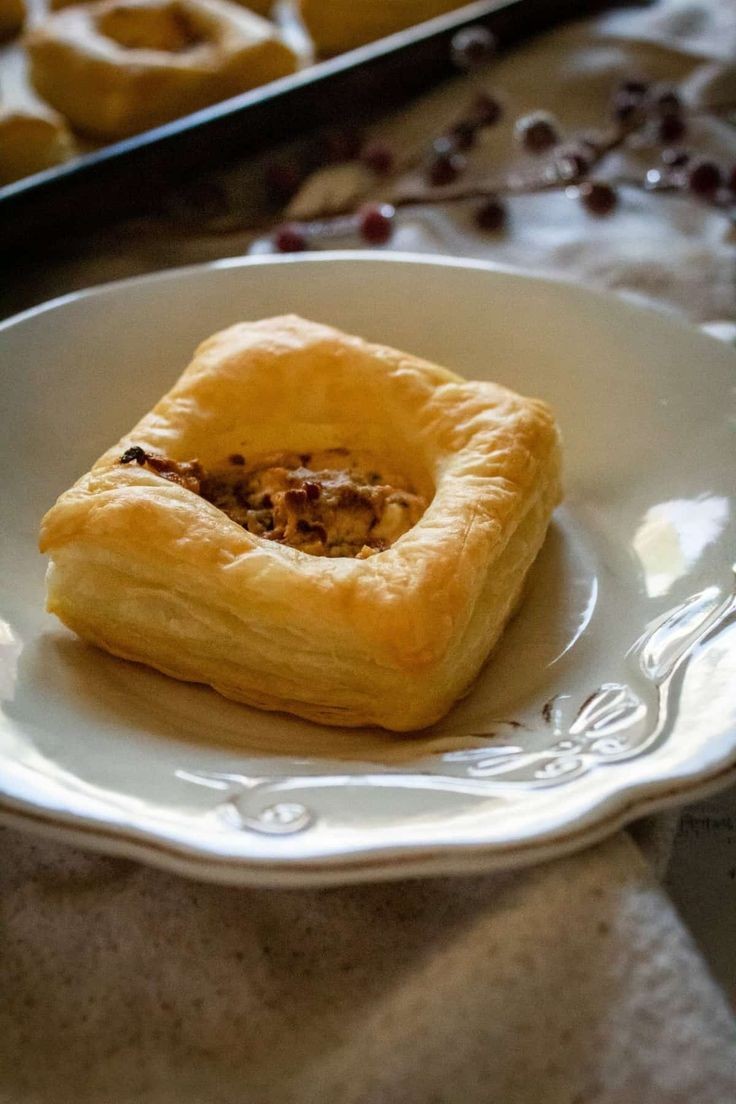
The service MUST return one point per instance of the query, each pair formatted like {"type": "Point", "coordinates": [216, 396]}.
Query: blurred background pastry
{"type": "Point", "coordinates": [12, 17]}
{"type": "Point", "coordinates": [31, 140]}
{"type": "Point", "coordinates": [339, 25]}
{"type": "Point", "coordinates": [33, 136]}
{"type": "Point", "coordinates": [117, 67]}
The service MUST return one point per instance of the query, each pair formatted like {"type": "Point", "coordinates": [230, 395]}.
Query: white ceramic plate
{"type": "Point", "coordinates": [612, 693]}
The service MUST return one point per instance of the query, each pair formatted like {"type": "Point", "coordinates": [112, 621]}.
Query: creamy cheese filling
{"type": "Point", "coordinates": [330, 502]}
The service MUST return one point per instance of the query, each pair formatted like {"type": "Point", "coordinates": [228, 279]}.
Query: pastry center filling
{"type": "Point", "coordinates": [139, 28]}
{"type": "Point", "coordinates": [330, 502]}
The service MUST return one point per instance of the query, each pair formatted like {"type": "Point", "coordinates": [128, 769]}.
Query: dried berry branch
{"type": "Point", "coordinates": [639, 111]}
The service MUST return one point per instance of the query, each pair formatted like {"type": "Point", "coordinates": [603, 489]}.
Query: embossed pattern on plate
{"type": "Point", "coordinates": [612, 691]}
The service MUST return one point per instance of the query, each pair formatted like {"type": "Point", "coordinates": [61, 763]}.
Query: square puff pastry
{"type": "Point", "coordinates": [155, 573]}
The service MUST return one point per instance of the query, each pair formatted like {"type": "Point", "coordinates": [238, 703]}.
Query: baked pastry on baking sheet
{"type": "Point", "coordinates": [311, 523]}
{"type": "Point", "coordinates": [31, 139]}
{"type": "Point", "coordinates": [339, 25]}
{"type": "Point", "coordinates": [117, 67]}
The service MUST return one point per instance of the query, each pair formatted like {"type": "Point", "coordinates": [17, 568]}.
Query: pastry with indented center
{"type": "Point", "coordinates": [117, 67]}
{"type": "Point", "coordinates": [311, 523]}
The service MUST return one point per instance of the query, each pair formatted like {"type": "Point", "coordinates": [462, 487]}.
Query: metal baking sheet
{"type": "Point", "coordinates": [127, 176]}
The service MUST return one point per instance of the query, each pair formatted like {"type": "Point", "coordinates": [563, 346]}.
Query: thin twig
{"type": "Point", "coordinates": [340, 220]}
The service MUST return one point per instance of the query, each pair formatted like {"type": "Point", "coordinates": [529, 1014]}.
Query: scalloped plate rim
{"type": "Point", "coordinates": [417, 862]}
{"type": "Point", "coordinates": [619, 806]}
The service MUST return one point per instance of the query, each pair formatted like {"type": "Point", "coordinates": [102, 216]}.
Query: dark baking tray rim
{"type": "Point", "coordinates": [127, 176]}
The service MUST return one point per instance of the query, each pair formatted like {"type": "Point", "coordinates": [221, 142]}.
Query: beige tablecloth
{"type": "Point", "coordinates": [571, 983]}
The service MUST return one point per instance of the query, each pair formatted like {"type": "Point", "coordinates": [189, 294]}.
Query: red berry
{"type": "Point", "coordinates": [378, 158]}
{"type": "Point", "coordinates": [537, 132]}
{"type": "Point", "coordinates": [627, 103]}
{"type": "Point", "coordinates": [375, 222]}
{"type": "Point", "coordinates": [704, 178]}
{"type": "Point", "coordinates": [597, 197]}
{"type": "Point", "coordinates": [491, 215]}
{"type": "Point", "coordinates": [290, 238]}
{"type": "Point", "coordinates": [472, 46]}
{"type": "Point", "coordinates": [485, 110]}
{"type": "Point", "coordinates": [671, 128]}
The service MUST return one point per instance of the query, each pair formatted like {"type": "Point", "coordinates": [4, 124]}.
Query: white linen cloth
{"type": "Point", "coordinates": [570, 983]}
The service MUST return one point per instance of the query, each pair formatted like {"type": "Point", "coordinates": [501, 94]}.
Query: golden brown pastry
{"type": "Point", "coordinates": [116, 67]}
{"type": "Point", "coordinates": [339, 25]}
{"type": "Point", "coordinates": [311, 523]}
{"type": "Point", "coordinates": [31, 140]}
{"type": "Point", "coordinates": [12, 17]}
